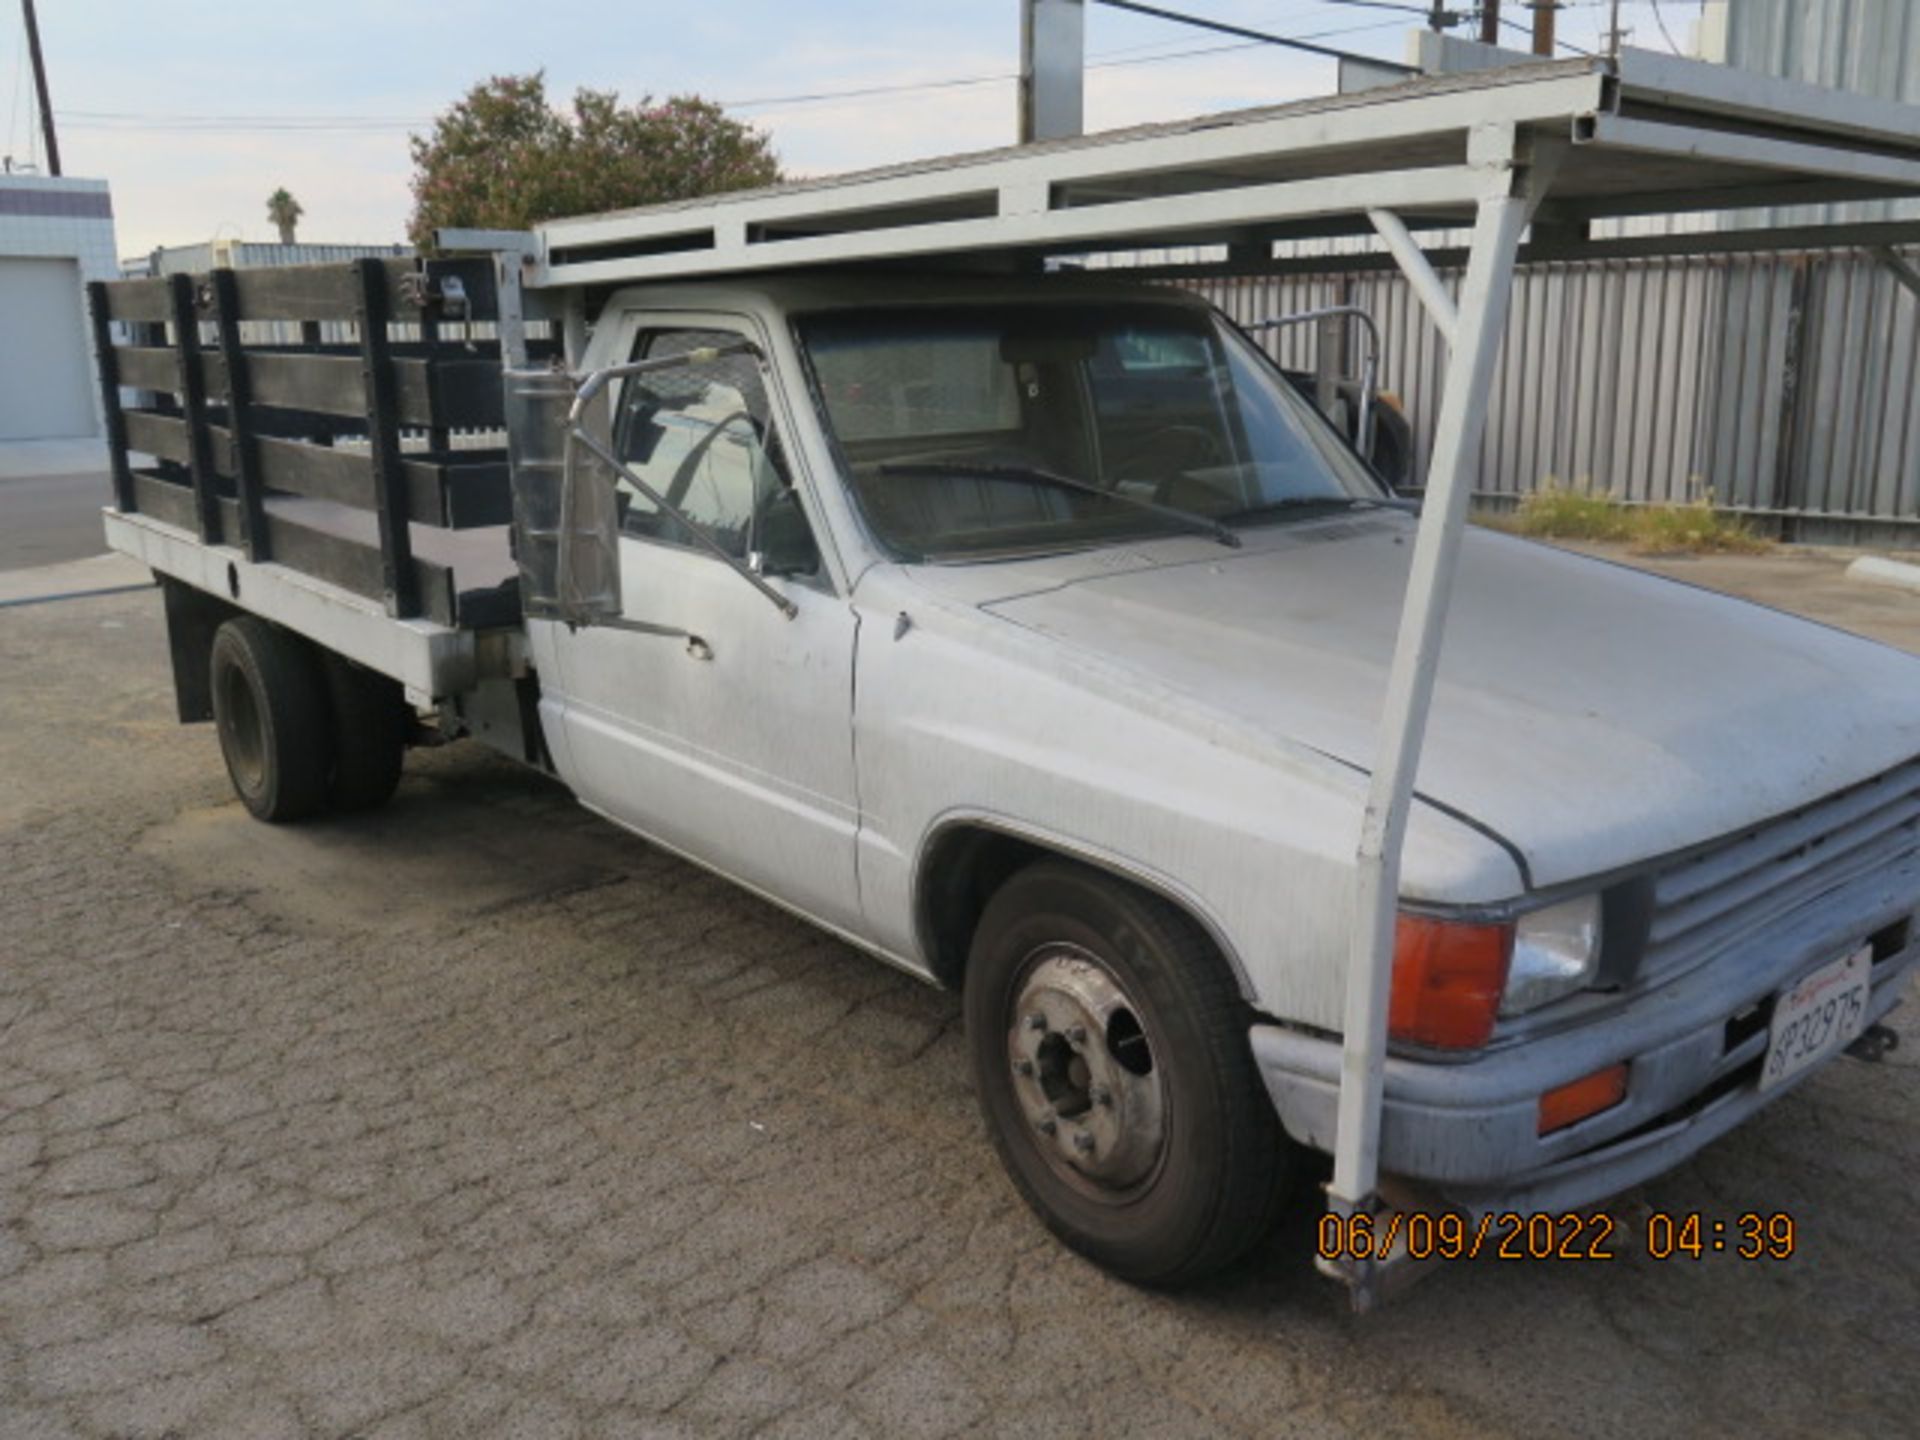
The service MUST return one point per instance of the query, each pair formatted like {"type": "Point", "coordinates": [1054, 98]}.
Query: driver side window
{"type": "Point", "coordinates": [701, 436]}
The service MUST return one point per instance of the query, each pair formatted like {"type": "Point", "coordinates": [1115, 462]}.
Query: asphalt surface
{"type": "Point", "coordinates": [477, 1117]}
{"type": "Point", "coordinates": [45, 519]}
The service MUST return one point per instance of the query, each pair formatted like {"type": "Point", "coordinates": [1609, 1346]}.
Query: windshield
{"type": "Point", "coordinates": [958, 422]}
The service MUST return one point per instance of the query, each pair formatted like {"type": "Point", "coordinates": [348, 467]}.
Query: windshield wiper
{"type": "Point", "coordinates": [1301, 502]}
{"type": "Point", "coordinates": [1034, 475]}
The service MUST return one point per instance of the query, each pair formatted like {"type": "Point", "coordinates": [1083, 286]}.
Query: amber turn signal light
{"type": "Point", "coordinates": [1583, 1098]}
{"type": "Point", "coordinates": [1447, 981]}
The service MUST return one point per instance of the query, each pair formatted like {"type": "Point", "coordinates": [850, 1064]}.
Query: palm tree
{"type": "Point", "coordinates": [285, 212]}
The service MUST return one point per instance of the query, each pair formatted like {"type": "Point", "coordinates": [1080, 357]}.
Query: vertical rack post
{"type": "Point", "coordinates": [108, 366]}
{"type": "Point", "coordinates": [383, 435]}
{"type": "Point", "coordinates": [193, 404]}
{"type": "Point", "coordinates": [1476, 337]}
{"type": "Point", "coordinates": [246, 452]}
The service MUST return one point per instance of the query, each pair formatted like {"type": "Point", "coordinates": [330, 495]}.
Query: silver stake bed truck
{"type": "Point", "coordinates": [1030, 631]}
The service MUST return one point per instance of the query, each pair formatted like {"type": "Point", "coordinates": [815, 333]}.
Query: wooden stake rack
{"type": "Point", "coordinates": [234, 428]}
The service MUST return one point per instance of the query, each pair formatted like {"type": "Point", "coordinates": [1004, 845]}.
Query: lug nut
{"type": "Point", "coordinates": [1083, 1142]}
{"type": "Point", "coordinates": [1078, 1034]}
{"type": "Point", "coordinates": [1100, 1095]}
{"type": "Point", "coordinates": [1047, 1126]}
{"type": "Point", "coordinates": [1023, 1067]}
{"type": "Point", "coordinates": [1036, 1021]}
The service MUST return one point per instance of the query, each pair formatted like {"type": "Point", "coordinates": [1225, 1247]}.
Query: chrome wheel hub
{"type": "Point", "coordinates": [1084, 1071]}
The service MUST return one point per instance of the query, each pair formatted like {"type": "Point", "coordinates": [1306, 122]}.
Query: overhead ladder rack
{"type": "Point", "coordinates": [1648, 134]}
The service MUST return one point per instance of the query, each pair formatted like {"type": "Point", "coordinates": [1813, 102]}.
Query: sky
{"type": "Point", "coordinates": [196, 110]}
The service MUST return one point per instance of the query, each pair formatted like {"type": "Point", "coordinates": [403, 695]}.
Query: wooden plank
{"type": "Point", "coordinates": [456, 492]}
{"type": "Point", "coordinates": [338, 560]}
{"type": "Point", "coordinates": [106, 364]}
{"type": "Point", "coordinates": [163, 436]}
{"type": "Point", "coordinates": [165, 500]}
{"type": "Point", "coordinates": [148, 367]}
{"type": "Point", "coordinates": [383, 433]}
{"type": "Point", "coordinates": [431, 394]}
{"type": "Point", "coordinates": [318, 472]}
{"type": "Point", "coordinates": [312, 293]}
{"type": "Point", "coordinates": [326, 384]}
{"type": "Point", "coordinates": [192, 389]}
{"type": "Point", "coordinates": [138, 300]}
{"type": "Point", "coordinates": [297, 292]}
{"type": "Point", "coordinates": [242, 439]}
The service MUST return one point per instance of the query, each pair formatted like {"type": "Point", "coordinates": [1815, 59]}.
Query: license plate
{"type": "Point", "coordinates": [1824, 1012]}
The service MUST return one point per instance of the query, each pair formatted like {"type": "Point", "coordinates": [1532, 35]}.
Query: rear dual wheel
{"type": "Point", "coordinates": [1110, 1054]}
{"type": "Point", "coordinates": [301, 729]}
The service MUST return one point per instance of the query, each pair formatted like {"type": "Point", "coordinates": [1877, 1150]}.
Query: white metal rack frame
{"type": "Point", "coordinates": [1648, 135]}
{"type": "Point", "coordinates": [1554, 145]}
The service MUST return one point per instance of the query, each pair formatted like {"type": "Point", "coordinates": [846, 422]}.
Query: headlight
{"type": "Point", "coordinates": [1556, 951]}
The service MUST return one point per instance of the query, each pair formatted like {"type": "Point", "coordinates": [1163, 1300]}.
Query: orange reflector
{"type": "Point", "coordinates": [1447, 981]}
{"type": "Point", "coordinates": [1573, 1103]}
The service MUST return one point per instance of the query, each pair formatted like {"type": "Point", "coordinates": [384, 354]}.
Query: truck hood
{"type": "Point", "coordinates": [1591, 715]}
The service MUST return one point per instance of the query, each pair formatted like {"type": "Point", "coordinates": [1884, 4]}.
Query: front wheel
{"type": "Point", "coordinates": [1110, 1054]}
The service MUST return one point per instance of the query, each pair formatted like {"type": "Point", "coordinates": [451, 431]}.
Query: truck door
{"type": "Point", "coordinates": [735, 748]}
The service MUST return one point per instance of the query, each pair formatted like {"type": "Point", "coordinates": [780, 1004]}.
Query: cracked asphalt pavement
{"type": "Point", "coordinates": [478, 1117]}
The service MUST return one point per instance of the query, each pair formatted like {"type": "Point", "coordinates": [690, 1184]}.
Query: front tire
{"type": "Point", "coordinates": [270, 711]}
{"type": "Point", "coordinates": [1110, 1055]}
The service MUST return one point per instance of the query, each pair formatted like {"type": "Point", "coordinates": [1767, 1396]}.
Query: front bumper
{"type": "Point", "coordinates": [1467, 1132]}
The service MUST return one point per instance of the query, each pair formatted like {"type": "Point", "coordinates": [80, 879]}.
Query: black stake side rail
{"type": "Point", "coordinates": [232, 425]}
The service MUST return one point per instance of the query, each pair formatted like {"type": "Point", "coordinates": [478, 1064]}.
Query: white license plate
{"type": "Point", "coordinates": [1824, 1012]}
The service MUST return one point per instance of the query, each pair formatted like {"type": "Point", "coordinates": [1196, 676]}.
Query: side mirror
{"type": "Point", "coordinates": [783, 542]}
{"type": "Point", "coordinates": [566, 514]}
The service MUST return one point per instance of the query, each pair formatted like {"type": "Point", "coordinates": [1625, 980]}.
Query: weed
{"type": "Point", "coordinates": [1557, 513]}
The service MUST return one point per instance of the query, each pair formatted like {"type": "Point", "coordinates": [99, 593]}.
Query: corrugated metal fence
{"type": "Point", "coordinates": [1783, 385]}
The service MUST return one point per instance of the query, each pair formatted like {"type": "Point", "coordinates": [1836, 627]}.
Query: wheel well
{"type": "Point", "coordinates": [963, 868]}
{"type": "Point", "coordinates": [957, 877]}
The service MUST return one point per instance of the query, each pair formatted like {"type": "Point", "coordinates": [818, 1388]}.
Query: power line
{"type": "Point", "coordinates": [1564, 44]}
{"type": "Point", "coordinates": [1423, 12]}
{"type": "Point", "coordinates": [1200, 23]}
{"type": "Point", "coordinates": [123, 120]}
{"type": "Point", "coordinates": [1666, 34]}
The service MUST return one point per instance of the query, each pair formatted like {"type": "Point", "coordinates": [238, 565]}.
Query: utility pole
{"type": "Point", "coordinates": [1437, 17]}
{"type": "Point", "coordinates": [1489, 22]}
{"type": "Point", "coordinates": [1543, 13]}
{"type": "Point", "coordinates": [1053, 64]}
{"type": "Point", "coordinates": [40, 86]}
{"type": "Point", "coordinates": [1614, 33]}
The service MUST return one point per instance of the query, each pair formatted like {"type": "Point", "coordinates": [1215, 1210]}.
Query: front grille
{"type": "Point", "coordinates": [1741, 886]}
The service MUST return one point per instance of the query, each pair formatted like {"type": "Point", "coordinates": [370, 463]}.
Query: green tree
{"type": "Point", "coordinates": [502, 158]}
{"type": "Point", "coordinates": [285, 212]}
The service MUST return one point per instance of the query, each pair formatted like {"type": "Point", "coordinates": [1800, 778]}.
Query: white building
{"type": "Point", "coordinates": [55, 236]}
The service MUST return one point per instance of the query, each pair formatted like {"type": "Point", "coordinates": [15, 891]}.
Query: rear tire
{"type": "Point", "coordinates": [369, 724]}
{"type": "Point", "coordinates": [270, 711]}
{"type": "Point", "coordinates": [1110, 1056]}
